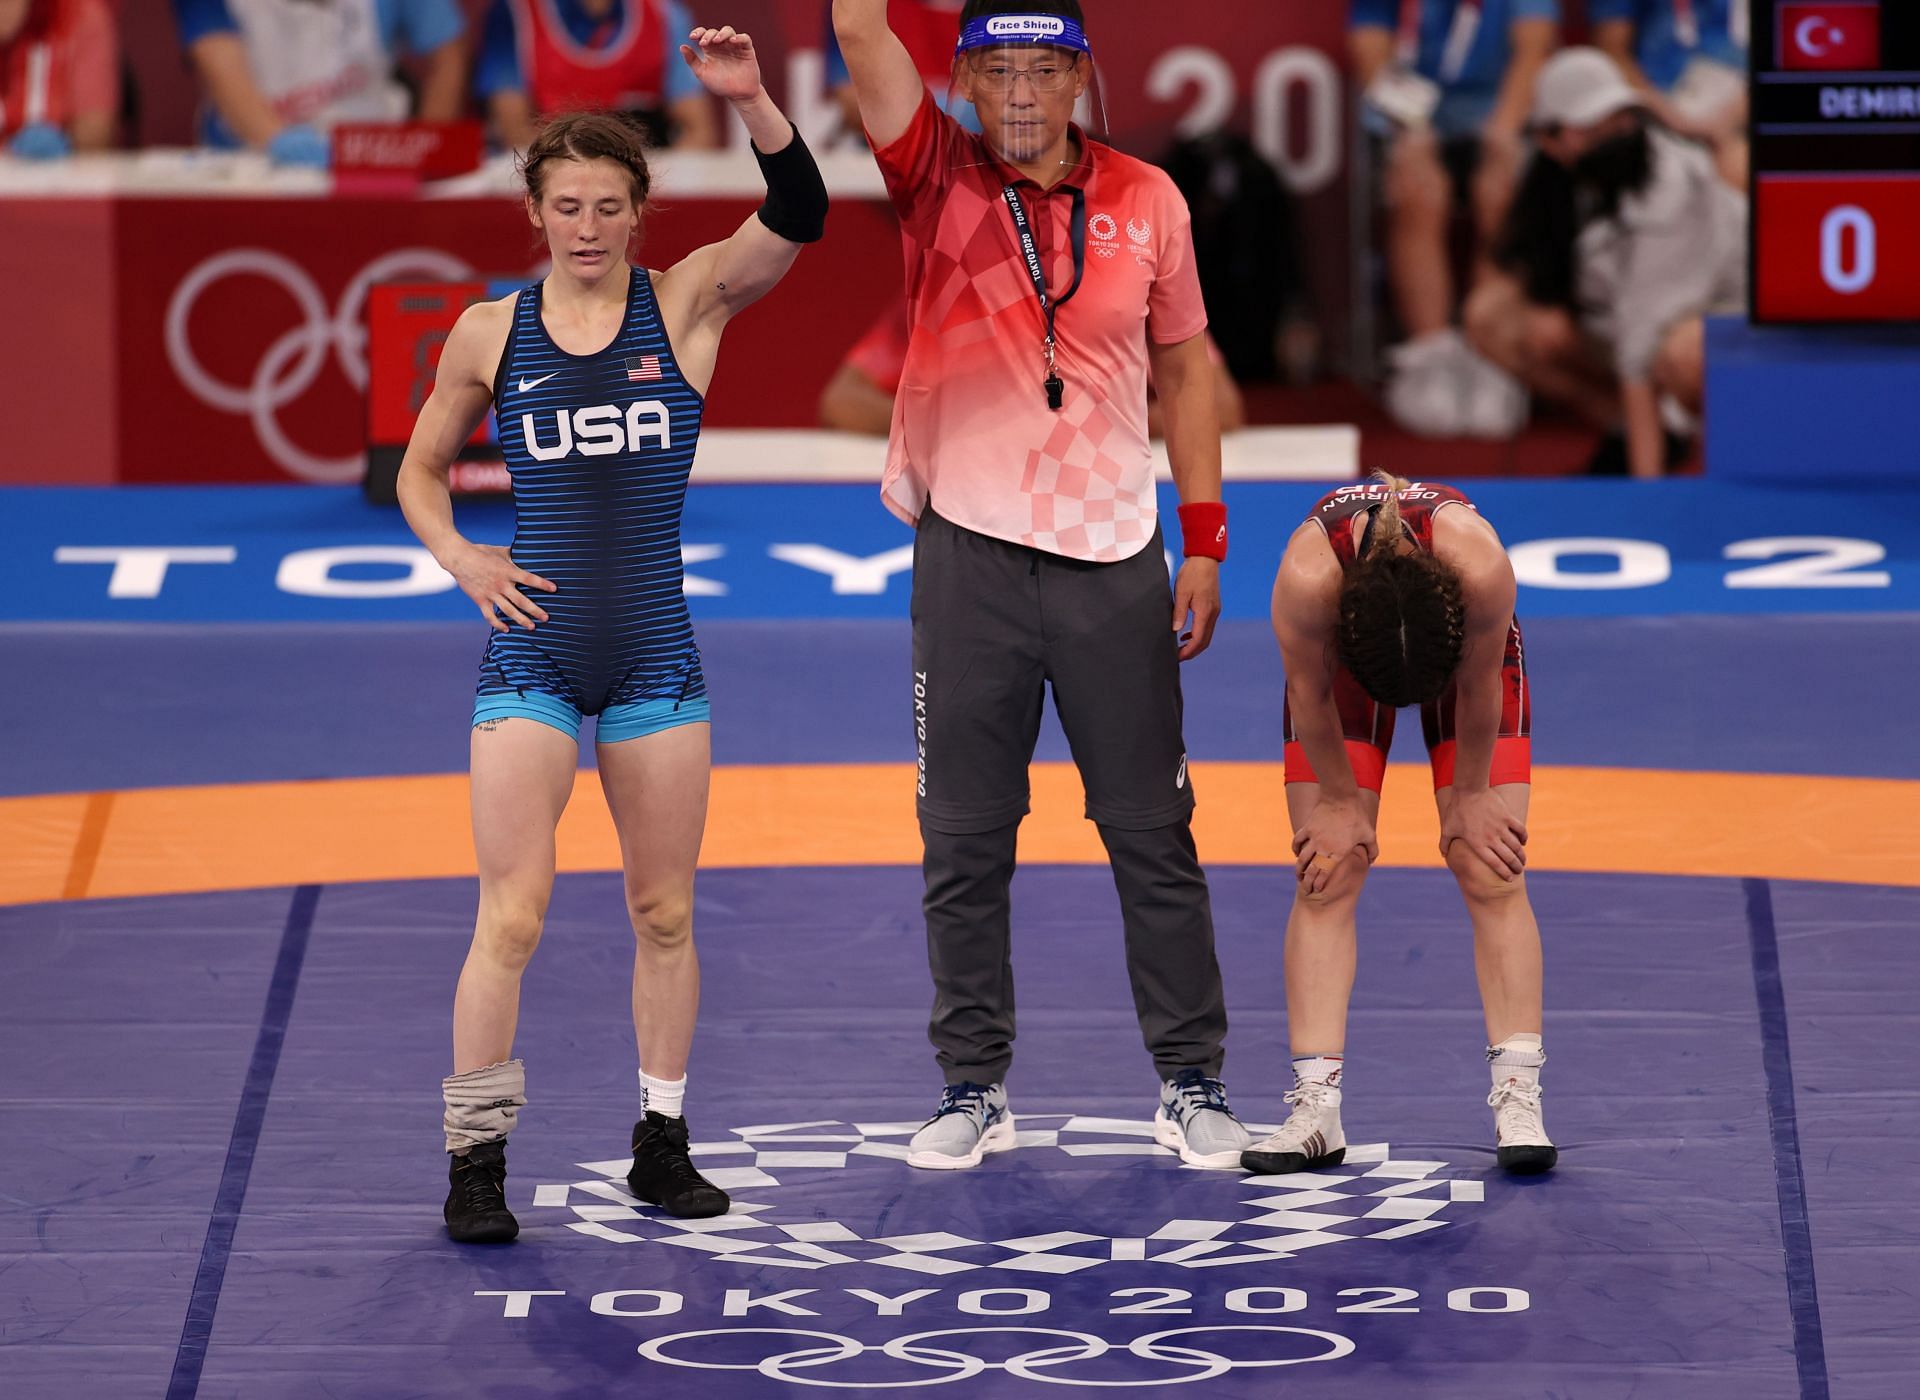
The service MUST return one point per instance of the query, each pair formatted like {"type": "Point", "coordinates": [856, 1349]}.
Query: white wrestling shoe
{"type": "Point", "coordinates": [1524, 1147]}
{"type": "Point", "coordinates": [1310, 1138]}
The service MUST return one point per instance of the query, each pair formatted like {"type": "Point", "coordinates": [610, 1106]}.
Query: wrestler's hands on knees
{"type": "Point", "coordinates": [1328, 834]}
{"type": "Point", "coordinates": [1491, 830]}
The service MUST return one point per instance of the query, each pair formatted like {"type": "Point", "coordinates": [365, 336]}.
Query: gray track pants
{"type": "Point", "coordinates": [994, 624]}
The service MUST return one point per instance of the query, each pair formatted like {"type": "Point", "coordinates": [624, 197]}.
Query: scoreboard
{"type": "Point", "coordinates": [1836, 160]}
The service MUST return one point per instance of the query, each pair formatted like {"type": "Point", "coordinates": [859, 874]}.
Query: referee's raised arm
{"type": "Point", "coordinates": [885, 80]}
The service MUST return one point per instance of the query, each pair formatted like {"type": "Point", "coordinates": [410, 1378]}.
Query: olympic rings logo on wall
{"type": "Point", "coordinates": [293, 362]}
{"type": "Point", "coordinates": [1042, 1364]}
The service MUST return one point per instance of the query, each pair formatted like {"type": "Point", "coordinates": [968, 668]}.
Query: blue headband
{"type": "Point", "coordinates": [998, 31]}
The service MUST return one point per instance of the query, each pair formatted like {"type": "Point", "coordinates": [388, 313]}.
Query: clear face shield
{"type": "Point", "coordinates": [1024, 78]}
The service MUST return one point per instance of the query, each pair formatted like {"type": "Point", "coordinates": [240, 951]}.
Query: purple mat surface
{"type": "Point", "coordinates": [1851, 964]}
{"type": "Point", "coordinates": [352, 700]}
{"type": "Point", "coordinates": [1651, 1264]}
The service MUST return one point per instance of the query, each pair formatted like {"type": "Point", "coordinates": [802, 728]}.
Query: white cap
{"type": "Point", "coordinates": [1580, 86]}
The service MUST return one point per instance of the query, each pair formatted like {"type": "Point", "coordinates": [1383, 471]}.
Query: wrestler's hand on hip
{"type": "Point", "coordinates": [1331, 832]}
{"type": "Point", "coordinates": [1196, 593]}
{"type": "Point", "coordinates": [487, 574]}
{"type": "Point", "coordinates": [1492, 832]}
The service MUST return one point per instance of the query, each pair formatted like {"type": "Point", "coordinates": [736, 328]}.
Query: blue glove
{"type": "Point", "coordinates": [299, 145]}
{"type": "Point", "coordinates": [40, 141]}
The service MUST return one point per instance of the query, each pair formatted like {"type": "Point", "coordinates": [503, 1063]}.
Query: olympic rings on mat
{"type": "Point", "coordinates": [1042, 1364]}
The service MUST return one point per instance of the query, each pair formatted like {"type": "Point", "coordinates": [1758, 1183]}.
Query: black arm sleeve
{"type": "Point", "coordinates": [796, 202]}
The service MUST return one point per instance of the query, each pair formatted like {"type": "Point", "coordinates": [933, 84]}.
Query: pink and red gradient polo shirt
{"type": "Point", "coordinates": [972, 432]}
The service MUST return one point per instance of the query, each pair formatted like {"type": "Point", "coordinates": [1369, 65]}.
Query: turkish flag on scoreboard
{"type": "Point", "coordinates": [1835, 34]}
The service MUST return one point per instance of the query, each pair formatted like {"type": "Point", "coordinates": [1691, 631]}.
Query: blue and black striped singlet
{"type": "Point", "coordinates": [599, 447]}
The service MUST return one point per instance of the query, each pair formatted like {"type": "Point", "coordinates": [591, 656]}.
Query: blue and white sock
{"type": "Point", "coordinates": [1518, 1057]}
{"type": "Point", "coordinates": [662, 1096]}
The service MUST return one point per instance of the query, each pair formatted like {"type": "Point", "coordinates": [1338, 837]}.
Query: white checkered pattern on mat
{"type": "Point", "coordinates": [1371, 1196]}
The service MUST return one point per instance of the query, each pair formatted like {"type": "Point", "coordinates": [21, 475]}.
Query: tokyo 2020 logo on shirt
{"type": "Point", "coordinates": [1105, 231]}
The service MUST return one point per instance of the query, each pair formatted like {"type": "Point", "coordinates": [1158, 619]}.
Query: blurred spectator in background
{"type": "Point", "coordinates": [1449, 84]}
{"type": "Point", "coordinates": [278, 73]}
{"type": "Point", "coordinates": [1622, 238]}
{"type": "Point", "coordinates": [859, 397]}
{"type": "Point", "coordinates": [929, 29]}
{"type": "Point", "coordinates": [59, 77]}
{"type": "Point", "coordinates": [1246, 247]}
{"type": "Point", "coordinates": [542, 56]}
{"type": "Point", "coordinates": [1689, 57]}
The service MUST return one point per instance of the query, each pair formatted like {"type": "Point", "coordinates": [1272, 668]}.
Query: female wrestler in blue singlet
{"type": "Point", "coordinates": [597, 375]}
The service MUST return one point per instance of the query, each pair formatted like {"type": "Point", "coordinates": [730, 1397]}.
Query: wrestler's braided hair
{"type": "Point", "coordinates": [1403, 618]}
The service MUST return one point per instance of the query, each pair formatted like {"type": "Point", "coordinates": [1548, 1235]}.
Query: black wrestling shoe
{"type": "Point", "coordinates": [663, 1175]}
{"type": "Point", "coordinates": [476, 1199]}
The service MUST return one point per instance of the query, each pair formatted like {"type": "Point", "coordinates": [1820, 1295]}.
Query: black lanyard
{"type": "Point", "coordinates": [1049, 305]}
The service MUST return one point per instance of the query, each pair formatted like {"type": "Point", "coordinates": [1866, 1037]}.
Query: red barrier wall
{"type": "Point", "coordinates": [59, 400]}
{"type": "Point", "coordinates": [240, 346]}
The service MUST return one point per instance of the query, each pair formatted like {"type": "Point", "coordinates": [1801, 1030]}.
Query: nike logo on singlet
{"type": "Point", "coordinates": [527, 384]}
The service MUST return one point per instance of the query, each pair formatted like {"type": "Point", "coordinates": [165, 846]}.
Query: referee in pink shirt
{"type": "Point", "coordinates": [1045, 273]}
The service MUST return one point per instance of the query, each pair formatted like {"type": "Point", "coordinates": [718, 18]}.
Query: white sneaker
{"type": "Point", "coordinates": [1310, 1138]}
{"type": "Point", "coordinates": [1193, 1119]}
{"type": "Point", "coordinates": [1524, 1147]}
{"type": "Point", "coordinates": [1424, 390]}
{"type": "Point", "coordinates": [972, 1120]}
{"type": "Point", "coordinates": [1494, 403]}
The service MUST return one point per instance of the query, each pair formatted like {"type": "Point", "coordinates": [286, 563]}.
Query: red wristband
{"type": "Point", "coordinates": [1203, 530]}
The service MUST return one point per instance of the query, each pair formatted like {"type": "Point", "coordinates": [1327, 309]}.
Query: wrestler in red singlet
{"type": "Point", "coordinates": [1397, 593]}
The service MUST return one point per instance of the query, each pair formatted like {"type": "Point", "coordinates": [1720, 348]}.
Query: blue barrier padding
{"type": "Point", "coordinates": [1581, 549]}
{"type": "Point", "coordinates": [1827, 405]}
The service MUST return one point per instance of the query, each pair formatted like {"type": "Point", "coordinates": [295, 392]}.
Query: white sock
{"type": "Point", "coordinates": [1321, 1069]}
{"type": "Point", "coordinates": [662, 1096]}
{"type": "Point", "coordinates": [1518, 1057]}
